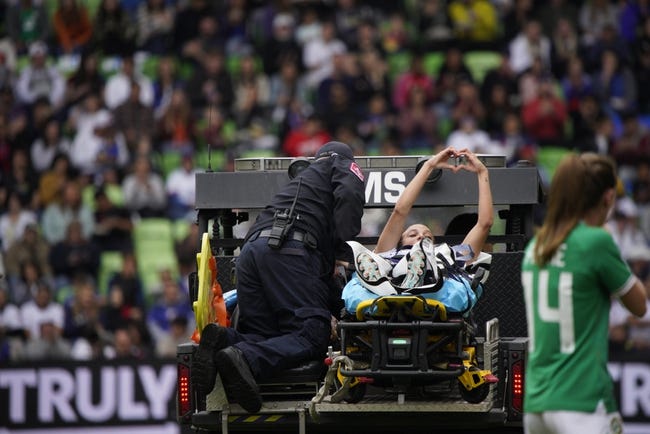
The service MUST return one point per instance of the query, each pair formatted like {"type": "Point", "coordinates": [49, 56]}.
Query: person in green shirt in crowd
{"type": "Point", "coordinates": [570, 271]}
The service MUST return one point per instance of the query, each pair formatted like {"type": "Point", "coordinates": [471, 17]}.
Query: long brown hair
{"type": "Point", "coordinates": [577, 187]}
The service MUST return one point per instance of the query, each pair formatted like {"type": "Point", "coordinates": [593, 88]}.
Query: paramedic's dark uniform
{"type": "Point", "coordinates": [283, 294]}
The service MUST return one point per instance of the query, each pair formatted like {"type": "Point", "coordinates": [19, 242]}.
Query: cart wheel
{"type": "Point", "coordinates": [355, 393]}
{"type": "Point", "coordinates": [477, 394]}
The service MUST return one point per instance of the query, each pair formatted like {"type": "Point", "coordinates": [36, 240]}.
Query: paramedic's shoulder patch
{"type": "Point", "coordinates": [354, 168]}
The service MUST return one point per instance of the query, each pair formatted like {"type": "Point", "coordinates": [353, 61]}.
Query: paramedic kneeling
{"type": "Point", "coordinates": [283, 279]}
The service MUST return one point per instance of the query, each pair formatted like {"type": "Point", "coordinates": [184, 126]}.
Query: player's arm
{"type": "Point", "coordinates": [635, 299]}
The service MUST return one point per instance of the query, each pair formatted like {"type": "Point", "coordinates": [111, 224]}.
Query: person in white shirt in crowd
{"type": "Point", "coordinates": [42, 309]}
{"type": "Point", "coordinates": [469, 136]}
{"type": "Point", "coordinates": [50, 143]}
{"type": "Point", "coordinates": [144, 190]}
{"type": "Point", "coordinates": [14, 221]}
{"type": "Point", "coordinates": [118, 86]}
{"type": "Point", "coordinates": [39, 79]}
{"type": "Point", "coordinates": [10, 327]}
{"type": "Point", "coordinates": [95, 143]}
{"type": "Point", "coordinates": [527, 45]}
{"type": "Point", "coordinates": [318, 54]}
{"type": "Point", "coordinates": [58, 215]}
{"type": "Point", "coordinates": [624, 227]}
{"type": "Point", "coordinates": [181, 188]}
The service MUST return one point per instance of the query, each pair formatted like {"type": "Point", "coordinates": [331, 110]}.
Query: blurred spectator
{"type": "Point", "coordinates": [286, 87]}
{"type": "Point", "coordinates": [511, 141]}
{"type": "Point", "coordinates": [26, 22]}
{"type": "Point", "coordinates": [24, 286]}
{"type": "Point", "coordinates": [309, 27]}
{"type": "Point", "coordinates": [614, 84]}
{"type": "Point", "coordinates": [417, 123]}
{"type": "Point", "coordinates": [181, 189]}
{"type": "Point", "coordinates": [20, 179]}
{"type": "Point", "coordinates": [155, 25]}
{"type": "Point", "coordinates": [11, 328]}
{"type": "Point", "coordinates": [576, 85]}
{"type": "Point", "coordinates": [434, 27]}
{"type": "Point", "coordinates": [305, 139]}
{"type": "Point", "coordinates": [414, 76]}
{"type": "Point", "coordinates": [75, 254]}
{"type": "Point", "coordinates": [57, 216]}
{"type": "Point", "coordinates": [642, 68]}
{"type": "Point", "coordinates": [172, 304]}
{"type": "Point", "coordinates": [72, 26]}
{"type": "Point", "coordinates": [135, 122]}
{"type": "Point", "coordinates": [208, 37]}
{"type": "Point", "coordinates": [497, 107]}
{"type": "Point", "coordinates": [144, 190]}
{"type": "Point", "coordinates": [251, 91]}
{"type": "Point", "coordinates": [349, 15]}
{"type": "Point", "coordinates": [625, 229]}
{"type": "Point", "coordinates": [515, 16]}
{"type": "Point", "coordinates": [113, 225]}
{"type": "Point", "coordinates": [468, 103]}
{"type": "Point", "coordinates": [82, 310]}
{"type": "Point", "coordinates": [14, 221]}
{"type": "Point", "coordinates": [339, 107]}
{"type": "Point", "coordinates": [372, 78]}
{"type": "Point", "coordinates": [113, 31]}
{"type": "Point", "coordinates": [474, 21]}
{"type": "Point", "coordinates": [529, 44]}
{"type": "Point", "coordinates": [641, 194]}
{"type": "Point", "coordinates": [31, 247]}
{"type": "Point", "coordinates": [38, 79]}
{"type": "Point", "coordinates": [176, 128]}
{"type": "Point", "coordinates": [51, 143]}
{"type": "Point", "coordinates": [85, 80]}
{"type": "Point", "coordinates": [164, 84]}
{"type": "Point", "coordinates": [550, 12]}
{"type": "Point", "coordinates": [452, 71]}
{"type": "Point", "coordinates": [565, 47]}
{"type": "Point", "coordinates": [633, 143]}
{"type": "Point", "coordinates": [118, 87]}
{"type": "Point", "coordinates": [396, 35]}
{"type": "Point", "coordinates": [595, 136]}
{"type": "Point", "coordinates": [123, 347]}
{"type": "Point", "coordinates": [376, 123]}
{"type": "Point", "coordinates": [544, 116]}
{"type": "Point", "coordinates": [319, 53]}
{"type": "Point", "coordinates": [51, 182]}
{"type": "Point", "coordinates": [235, 26]}
{"type": "Point", "coordinates": [48, 345]}
{"type": "Point", "coordinates": [186, 21]}
{"type": "Point", "coordinates": [211, 83]}
{"type": "Point", "coordinates": [178, 333]}
{"type": "Point", "coordinates": [502, 75]}
{"type": "Point", "coordinates": [96, 143]}
{"type": "Point", "coordinates": [185, 250]}
{"type": "Point", "coordinates": [281, 46]}
{"type": "Point", "coordinates": [42, 309]}
{"type": "Point", "coordinates": [594, 16]}
{"type": "Point", "coordinates": [469, 136]}
{"type": "Point", "coordinates": [126, 291]}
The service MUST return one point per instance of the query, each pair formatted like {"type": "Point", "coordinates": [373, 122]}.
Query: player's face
{"type": "Point", "coordinates": [415, 233]}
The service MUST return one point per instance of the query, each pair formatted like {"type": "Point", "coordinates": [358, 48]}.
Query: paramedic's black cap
{"type": "Point", "coordinates": [339, 148]}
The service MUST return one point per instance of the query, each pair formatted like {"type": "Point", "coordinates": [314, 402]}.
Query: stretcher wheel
{"type": "Point", "coordinates": [477, 394]}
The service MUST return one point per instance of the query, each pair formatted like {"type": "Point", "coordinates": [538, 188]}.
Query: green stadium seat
{"type": "Point", "coordinates": [109, 264]}
{"type": "Point", "coordinates": [153, 240]}
{"type": "Point", "coordinates": [398, 63]}
{"type": "Point", "coordinates": [432, 63]}
{"type": "Point", "coordinates": [480, 62]}
{"type": "Point", "coordinates": [548, 157]}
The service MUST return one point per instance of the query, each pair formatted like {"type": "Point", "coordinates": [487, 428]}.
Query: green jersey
{"type": "Point", "coordinates": [567, 308]}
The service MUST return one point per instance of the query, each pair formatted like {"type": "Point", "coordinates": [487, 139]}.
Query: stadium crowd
{"type": "Point", "coordinates": [108, 107]}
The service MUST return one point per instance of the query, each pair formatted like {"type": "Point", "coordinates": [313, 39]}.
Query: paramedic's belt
{"type": "Point", "coordinates": [304, 237]}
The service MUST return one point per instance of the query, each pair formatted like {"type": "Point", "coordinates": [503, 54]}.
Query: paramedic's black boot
{"type": "Point", "coordinates": [204, 367]}
{"type": "Point", "coordinates": [238, 380]}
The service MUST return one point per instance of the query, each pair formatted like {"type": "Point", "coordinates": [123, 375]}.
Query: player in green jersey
{"type": "Point", "coordinates": [570, 271]}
